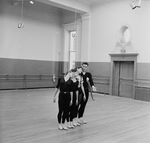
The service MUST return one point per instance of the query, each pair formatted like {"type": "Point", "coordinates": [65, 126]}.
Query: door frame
{"type": "Point", "coordinates": [123, 57]}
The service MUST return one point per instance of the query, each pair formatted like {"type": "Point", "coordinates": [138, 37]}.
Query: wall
{"type": "Point", "coordinates": [39, 40]}
{"type": "Point", "coordinates": [39, 43]}
{"type": "Point", "coordinates": [34, 48]}
{"type": "Point", "coordinates": [106, 21]}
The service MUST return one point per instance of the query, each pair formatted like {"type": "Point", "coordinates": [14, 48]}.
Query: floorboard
{"type": "Point", "coordinates": [29, 116]}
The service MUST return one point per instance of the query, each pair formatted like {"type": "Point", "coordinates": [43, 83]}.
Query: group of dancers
{"type": "Point", "coordinates": [73, 88]}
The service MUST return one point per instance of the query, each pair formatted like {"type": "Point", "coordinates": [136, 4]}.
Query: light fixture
{"type": "Point", "coordinates": [21, 24]}
{"type": "Point", "coordinates": [135, 4]}
{"type": "Point", "coordinates": [15, 3]}
{"type": "Point", "coordinates": [31, 2]}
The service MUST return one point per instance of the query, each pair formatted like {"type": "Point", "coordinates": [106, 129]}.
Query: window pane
{"type": "Point", "coordinates": [72, 41]}
{"type": "Point", "coordinates": [72, 60]}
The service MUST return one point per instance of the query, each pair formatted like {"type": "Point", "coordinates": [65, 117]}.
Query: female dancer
{"type": "Point", "coordinates": [77, 86]}
{"type": "Point", "coordinates": [73, 107]}
{"type": "Point", "coordinates": [64, 99]}
{"type": "Point", "coordinates": [80, 95]}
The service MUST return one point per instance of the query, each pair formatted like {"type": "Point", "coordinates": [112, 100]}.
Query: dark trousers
{"type": "Point", "coordinates": [63, 107]}
{"type": "Point", "coordinates": [73, 108]}
{"type": "Point", "coordinates": [83, 103]}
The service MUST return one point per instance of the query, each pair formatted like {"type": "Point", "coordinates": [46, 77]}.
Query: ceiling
{"type": "Point", "coordinates": [61, 3]}
{"type": "Point", "coordinates": [82, 6]}
{"type": "Point", "coordinates": [93, 2]}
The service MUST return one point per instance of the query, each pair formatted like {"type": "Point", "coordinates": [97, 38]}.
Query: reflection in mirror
{"type": "Point", "coordinates": [126, 35]}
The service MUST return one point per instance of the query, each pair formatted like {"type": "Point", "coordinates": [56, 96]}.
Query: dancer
{"type": "Point", "coordinates": [73, 107]}
{"type": "Point", "coordinates": [64, 100]}
{"type": "Point", "coordinates": [77, 94]}
{"type": "Point", "coordinates": [80, 94]}
{"type": "Point", "coordinates": [87, 80]}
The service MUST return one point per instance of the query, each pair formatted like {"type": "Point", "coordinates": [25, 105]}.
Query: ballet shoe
{"type": "Point", "coordinates": [60, 127]}
{"type": "Point", "coordinates": [69, 126]}
{"type": "Point", "coordinates": [81, 121]}
{"type": "Point", "coordinates": [84, 122]}
{"type": "Point", "coordinates": [74, 124]}
{"type": "Point", "coordinates": [78, 124]}
{"type": "Point", "coordinates": [64, 127]}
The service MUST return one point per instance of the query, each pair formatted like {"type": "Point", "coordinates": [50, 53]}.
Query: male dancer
{"type": "Point", "coordinates": [87, 79]}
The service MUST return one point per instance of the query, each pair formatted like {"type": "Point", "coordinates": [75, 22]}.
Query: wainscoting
{"type": "Point", "coordinates": [102, 84]}
{"type": "Point", "coordinates": [142, 90]}
{"type": "Point", "coordinates": [25, 81]}
{"type": "Point", "coordinates": [44, 81]}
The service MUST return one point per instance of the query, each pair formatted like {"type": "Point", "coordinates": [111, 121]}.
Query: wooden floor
{"type": "Point", "coordinates": [29, 116]}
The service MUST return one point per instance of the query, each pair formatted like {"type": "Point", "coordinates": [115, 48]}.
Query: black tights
{"type": "Point", "coordinates": [63, 106]}
{"type": "Point", "coordinates": [73, 108]}
{"type": "Point", "coordinates": [82, 103]}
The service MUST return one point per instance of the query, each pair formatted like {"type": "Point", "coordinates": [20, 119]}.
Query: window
{"type": "Point", "coordinates": [72, 49]}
